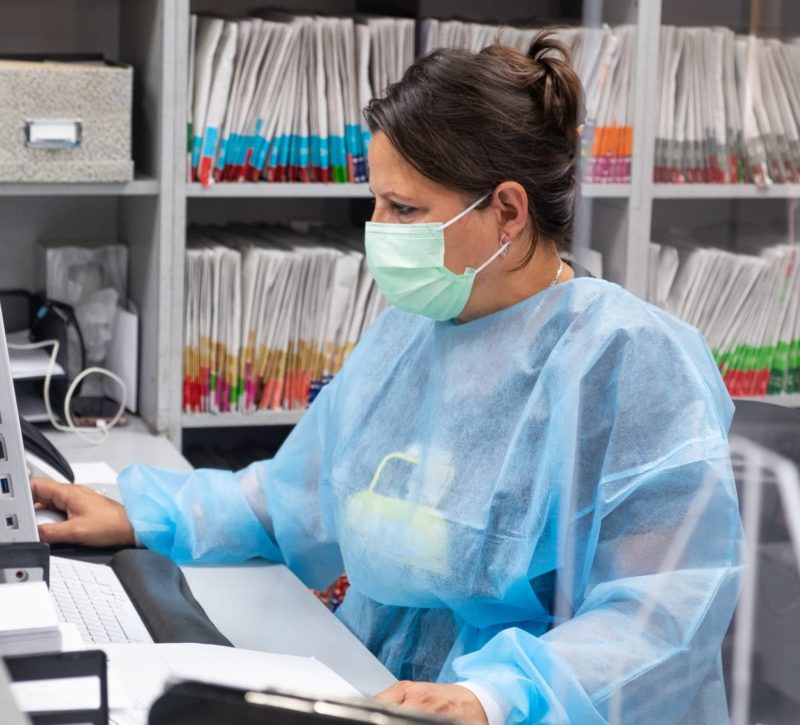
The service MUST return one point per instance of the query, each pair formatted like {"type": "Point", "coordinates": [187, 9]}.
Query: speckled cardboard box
{"type": "Point", "coordinates": [98, 96]}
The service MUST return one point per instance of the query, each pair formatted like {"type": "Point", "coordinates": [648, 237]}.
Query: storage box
{"type": "Point", "coordinates": [65, 121]}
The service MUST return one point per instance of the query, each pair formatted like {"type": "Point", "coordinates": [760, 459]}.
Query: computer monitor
{"type": "Point", "coordinates": [17, 518]}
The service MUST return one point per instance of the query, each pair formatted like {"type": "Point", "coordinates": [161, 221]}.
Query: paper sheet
{"type": "Point", "coordinates": [123, 357]}
{"type": "Point", "coordinates": [94, 472]}
{"type": "Point", "coordinates": [147, 669]}
{"type": "Point", "coordinates": [29, 364]}
{"type": "Point", "coordinates": [67, 693]}
{"type": "Point", "coordinates": [27, 607]}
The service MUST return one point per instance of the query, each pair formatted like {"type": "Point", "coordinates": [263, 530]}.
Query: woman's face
{"type": "Point", "coordinates": [404, 196]}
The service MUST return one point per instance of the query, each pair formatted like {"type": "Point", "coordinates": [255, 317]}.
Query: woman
{"type": "Point", "coordinates": [523, 473]}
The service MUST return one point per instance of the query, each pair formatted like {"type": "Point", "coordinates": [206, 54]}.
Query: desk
{"type": "Point", "coordinates": [272, 611]}
{"type": "Point", "coordinates": [124, 446]}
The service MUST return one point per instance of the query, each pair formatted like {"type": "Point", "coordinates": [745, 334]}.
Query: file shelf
{"type": "Point", "coordinates": [620, 215]}
{"type": "Point", "coordinates": [246, 190]}
{"type": "Point", "coordinates": [243, 420]}
{"type": "Point", "coordinates": [605, 191]}
{"type": "Point", "coordinates": [141, 186]}
{"type": "Point", "coordinates": [610, 204]}
{"type": "Point", "coordinates": [267, 190]}
{"type": "Point", "coordinates": [138, 213]}
{"type": "Point", "coordinates": [292, 417]}
{"type": "Point", "coordinates": [786, 400]}
{"type": "Point", "coordinates": [726, 191]}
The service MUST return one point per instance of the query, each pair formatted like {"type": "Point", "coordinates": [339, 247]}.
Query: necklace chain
{"type": "Point", "coordinates": [557, 275]}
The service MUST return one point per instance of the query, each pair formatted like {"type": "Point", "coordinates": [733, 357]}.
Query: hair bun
{"type": "Point", "coordinates": [554, 80]}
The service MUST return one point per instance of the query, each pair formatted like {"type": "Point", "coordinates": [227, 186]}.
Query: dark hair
{"type": "Point", "coordinates": [473, 120]}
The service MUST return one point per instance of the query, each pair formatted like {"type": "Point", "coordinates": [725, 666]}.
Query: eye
{"type": "Point", "coordinates": [402, 209]}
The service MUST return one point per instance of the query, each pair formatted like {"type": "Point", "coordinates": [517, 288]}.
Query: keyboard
{"type": "Point", "coordinates": [91, 597]}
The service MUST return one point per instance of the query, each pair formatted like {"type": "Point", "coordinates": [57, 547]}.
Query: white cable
{"type": "Point", "coordinates": [102, 427]}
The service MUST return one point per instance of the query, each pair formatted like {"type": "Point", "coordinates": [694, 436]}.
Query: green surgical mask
{"type": "Point", "coordinates": [407, 262]}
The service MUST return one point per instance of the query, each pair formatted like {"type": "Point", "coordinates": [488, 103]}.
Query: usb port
{"type": "Point", "coordinates": [11, 521]}
{"type": "Point", "coordinates": [3, 455]}
{"type": "Point", "coordinates": [5, 485]}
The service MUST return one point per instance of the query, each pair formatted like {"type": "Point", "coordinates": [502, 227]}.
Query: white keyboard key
{"type": "Point", "coordinates": [91, 596]}
{"type": "Point", "coordinates": [133, 627]}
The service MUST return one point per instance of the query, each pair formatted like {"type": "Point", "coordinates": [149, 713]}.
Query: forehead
{"type": "Point", "coordinates": [389, 171]}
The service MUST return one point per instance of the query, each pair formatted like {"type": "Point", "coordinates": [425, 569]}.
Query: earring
{"type": "Point", "coordinates": [505, 244]}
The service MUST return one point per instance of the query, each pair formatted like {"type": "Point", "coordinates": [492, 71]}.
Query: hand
{"type": "Point", "coordinates": [448, 700]}
{"type": "Point", "coordinates": [92, 519]}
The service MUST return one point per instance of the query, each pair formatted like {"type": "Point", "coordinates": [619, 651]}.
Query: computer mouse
{"type": "Point", "coordinates": [48, 516]}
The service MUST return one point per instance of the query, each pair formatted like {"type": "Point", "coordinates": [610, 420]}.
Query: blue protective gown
{"type": "Point", "coordinates": [540, 501]}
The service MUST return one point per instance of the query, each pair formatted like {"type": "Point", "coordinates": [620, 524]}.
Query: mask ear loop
{"type": "Point", "coordinates": [466, 211]}
{"type": "Point", "coordinates": [499, 253]}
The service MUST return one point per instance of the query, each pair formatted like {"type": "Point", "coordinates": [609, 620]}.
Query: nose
{"type": "Point", "coordinates": [379, 211]}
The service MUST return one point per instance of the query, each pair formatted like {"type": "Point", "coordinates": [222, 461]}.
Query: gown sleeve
{"type": "Point", "coordinates": [222, 517]}
{"type": "Point", "coordinates": [649, 549]}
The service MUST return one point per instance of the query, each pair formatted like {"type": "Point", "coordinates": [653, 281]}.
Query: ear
{"type": "Point", "coordinates": [510, 200]}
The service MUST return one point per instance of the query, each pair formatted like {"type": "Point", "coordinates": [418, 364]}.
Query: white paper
{"type": "Point", "coordinates": [122, 358]}
{"type": "Point", "coordinates": [29, 364]}
{"type": "Point", "coordinates": [70, 637]}
{"type": "Point", "coordinates": [148, 669]}
{"type": "Point", "coordinates": [26, 607]}
{"type": "Point", "coordinates": [94, 472]}
{"type": "Point", "coordinates": [65, 693]}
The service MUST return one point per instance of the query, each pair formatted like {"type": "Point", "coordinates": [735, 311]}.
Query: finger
{"type": "Point", "coordinates": [66, 532]}
{"type": "Point", "coordinates": [394, 695]}
{"type": "Point", "coordinates": [51, 493]}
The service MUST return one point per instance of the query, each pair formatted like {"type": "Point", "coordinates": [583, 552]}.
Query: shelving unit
{"type": "Point", "coordinates": [787, 401]}
{"type": "Point", "coordinates": [605, 191]}
{"type": "Point", "coordinates": [151, 213]}
{"type": "Point", "coordinates": [138, 213]}
{"type": "Point", "coordinates": [242, 420]}
{"type": "Point", "coordinates": [249, 190]}
{"type": "Point", "coordinates": [610, 204]}
{"type": "Point", "coordinates": [620, 217]}
{"type": "Point", "coordinates": [725, 191]}
{"type": "Point", "coordinates": [140, 186]}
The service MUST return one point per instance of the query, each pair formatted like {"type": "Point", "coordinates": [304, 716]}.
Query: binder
{"type": "Point", "coordinates": [217, 101]}
{"type": "Point", "coordinates": [209, 32]}
{"type": "Point", "coordinates": [190, 95]}
{"type": "Point", "coordinates": [248, 41]}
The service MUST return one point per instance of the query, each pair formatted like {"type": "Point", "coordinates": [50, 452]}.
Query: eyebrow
{"type": "Point", "coordinates": [391, 194]}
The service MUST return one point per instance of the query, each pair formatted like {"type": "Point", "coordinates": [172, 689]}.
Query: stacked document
{"type": "Point", "coordinates": [603, 58]}
{"type": "Point", "coordinates": [271, 314]}
{"type": "Point", "coordinates": [746, 304]}
{"type": "Point", "coordinates": [278, 97]}
{"type": "Point", "coordinates": [729, 108]}
{"type": "Point", "coordinates": [29, 623]}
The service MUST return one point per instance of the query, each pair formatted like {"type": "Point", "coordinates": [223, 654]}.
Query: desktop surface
{"type": "Point", "coordinates": [282, 615]}
{"type": "Point", "coordinates": [125, 445]}
{"type": "Point", "coordinates": [272, 611]}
